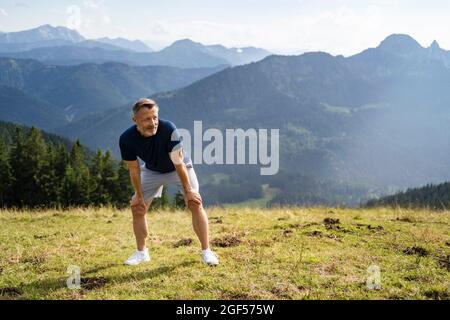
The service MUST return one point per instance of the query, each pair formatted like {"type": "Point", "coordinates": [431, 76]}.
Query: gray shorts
{"type": "Point", "coordinates": [152, 182]}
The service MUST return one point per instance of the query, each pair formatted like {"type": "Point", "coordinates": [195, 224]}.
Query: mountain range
{"type": "Point", "coordinates": [33, 93]}
{"type": "Point", "coordinates": [63, 46]}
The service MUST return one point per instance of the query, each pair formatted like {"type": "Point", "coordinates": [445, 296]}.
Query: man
{"type": "Point", "coordinates": [157, 143]}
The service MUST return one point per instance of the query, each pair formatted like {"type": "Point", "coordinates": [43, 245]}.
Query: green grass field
{"type": "Point", "coordinates": [286, 253]}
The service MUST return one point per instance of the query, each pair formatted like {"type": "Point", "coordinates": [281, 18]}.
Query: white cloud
{"type": "Point", "coordinates": [97, 9]}
{"type": "Point", "coordinates": [343, 28]}
{"type": "Point", "coordinates": [88, 18]}
{"type": "Point", "coordinates": [207, 32]}
{"type": "Point", "coordinates": [74, 18]}
{"type": "Point", "coordinates": [93, 3]}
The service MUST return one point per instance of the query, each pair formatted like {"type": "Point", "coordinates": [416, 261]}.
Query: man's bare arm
{"type": "Point", "coordinates": [135, 177]}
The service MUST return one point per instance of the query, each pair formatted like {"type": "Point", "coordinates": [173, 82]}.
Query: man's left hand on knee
{"type": "Point", "coordinates": [193, 196]}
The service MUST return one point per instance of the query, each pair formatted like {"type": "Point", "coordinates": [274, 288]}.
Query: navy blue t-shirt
{"type": "Point", "coordinates": [154, 150]}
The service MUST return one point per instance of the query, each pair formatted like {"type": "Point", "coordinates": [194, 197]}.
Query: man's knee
{"type": "Point", "coordinates": [194, 206]}
{"type": "Point", "coordinates": [139, 210]}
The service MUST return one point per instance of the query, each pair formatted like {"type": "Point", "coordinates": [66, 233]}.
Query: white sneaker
{"type": "Point", "coordinates": [209, 257]}
{"type": "Point", "coordinates": [138, 257]}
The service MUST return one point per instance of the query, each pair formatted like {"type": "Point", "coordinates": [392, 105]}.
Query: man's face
{"type": "Point", "coordinates": [147, 121]}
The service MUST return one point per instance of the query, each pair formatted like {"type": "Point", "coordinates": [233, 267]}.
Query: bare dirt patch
{"type": "Point", "coordinates": [183, 243]}
{"type": "Point", "coordinates": [226, 241]}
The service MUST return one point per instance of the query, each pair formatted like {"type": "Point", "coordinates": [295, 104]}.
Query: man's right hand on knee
{"type": "Point", "coordinates": [138, 203]}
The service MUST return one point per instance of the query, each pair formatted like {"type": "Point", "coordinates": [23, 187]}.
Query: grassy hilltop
{"type": "Point", "coordinates": [286, 253]}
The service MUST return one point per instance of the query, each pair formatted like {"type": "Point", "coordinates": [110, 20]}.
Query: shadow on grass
{"type": "Point", "coordinates": [41, 289]}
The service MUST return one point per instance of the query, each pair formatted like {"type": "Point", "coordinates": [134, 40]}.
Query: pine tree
{"type": "Point", "coordinates": [67, 191]}
{"type": "Point", "coordinates": [6, 178]}
{"type": "Point", "coordinates": [60, 160]}
{"type": "Point", "coordinates": [53, 174]}
{"type": "Point", "coordinates": [17, 162]}
{"type": "Point", "coordinates": [76, 185]}
{"type": "Point", "coordinates": [109, 177]}
{"type": "Point", "coordinates": [178, 201]}
{"type": "Point", "coordinates": [104, 178]}
{"type": "Point", "coordinates": [97, 193]}
{"type": "Point", "coordinates": [28, 159]}
{"type": "Point", "coordinates": [50, 182]}
{"type": "Point", "coordinates": [40, 171]}
{"type": "Point", "coordinates": [163, 202]}
{"type": "Point", "coordinates": [124, 190]}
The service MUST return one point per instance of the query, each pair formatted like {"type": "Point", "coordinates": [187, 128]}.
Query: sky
{"type": "Point", "coordinates": [282, 26]}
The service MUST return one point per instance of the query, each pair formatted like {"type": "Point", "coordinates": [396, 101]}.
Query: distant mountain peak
{"type": "Point", "coordinates": [185, 42]}
{"type": "Point", "coordinates": [49, 26]}
{"type": "Point", "coordinates": [44, 32]}
{"type": "Point", "coordinates": [117, 38]}
{"type": "Point", "coordinates": [435, 45]}
{"type": "Point", "coordinates": [134, 45]}
{"type": "Point", "coordinates": [436, 53]}
{"type": "Point", "coordinates": [59, 32]}
{"type": "Point", "coordinates": [400, 43]}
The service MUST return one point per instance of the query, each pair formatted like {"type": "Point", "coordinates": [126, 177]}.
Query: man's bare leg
{"type": "Point", "coordinates": [200, 223]}
{"type": "Point", "coordinates": [140, 226]}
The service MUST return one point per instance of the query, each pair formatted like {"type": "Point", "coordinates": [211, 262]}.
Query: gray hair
{"type": "Point", "coordinates": [144, 103]}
